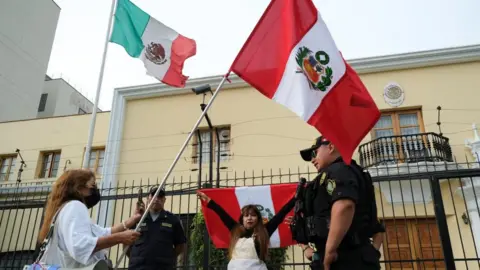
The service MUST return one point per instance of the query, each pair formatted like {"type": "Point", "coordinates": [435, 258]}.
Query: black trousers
{"type": "Point", "coordinates": [364, 257]}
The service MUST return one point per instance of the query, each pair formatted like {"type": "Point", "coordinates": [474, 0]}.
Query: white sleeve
{"type": "Point", "coordinates": [76, 228]}
{"type": "Point", "coordinates": [100, 231]}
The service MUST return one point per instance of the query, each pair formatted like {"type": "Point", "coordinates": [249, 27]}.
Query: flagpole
{"type": "Point", "coordinates": [179, 154]}
{"type": "Point", "coordinates": [93, 120]}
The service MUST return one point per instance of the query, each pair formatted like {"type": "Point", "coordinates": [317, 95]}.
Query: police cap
{"type": "Point", "coordinates": [161, 193]}
{"type": "Point", "coordinates": [307, 153]}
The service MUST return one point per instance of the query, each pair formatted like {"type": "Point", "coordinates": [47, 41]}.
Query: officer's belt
{"type": "Point", "coordinates": [318, 228]}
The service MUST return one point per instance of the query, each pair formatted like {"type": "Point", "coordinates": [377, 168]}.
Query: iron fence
{"type": "Point", "coordinates": [430, 211]}
{"type": "Point", "coordinates": [410, 148]}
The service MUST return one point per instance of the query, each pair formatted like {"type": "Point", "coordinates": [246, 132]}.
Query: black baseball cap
{"type": "Point", "coordinates": [307, 153]}
{"type": "Point", "coordinates": [161, 193]}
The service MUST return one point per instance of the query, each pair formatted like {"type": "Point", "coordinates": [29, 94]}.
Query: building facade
{"type": "Point", "coordinates": [25, 52]}
{"type": "Point", "coordinates": [422, 151]}
{"type": "Point", "coordinates": [59, 98]}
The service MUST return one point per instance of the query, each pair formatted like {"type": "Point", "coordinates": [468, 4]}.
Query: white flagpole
{"type": "Point", "coordinates": [176, 159]}
{"type": "Point", "coordinates": [93, 120]}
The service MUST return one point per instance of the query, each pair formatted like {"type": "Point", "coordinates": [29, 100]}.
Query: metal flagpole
{"type": "Point", "coordinates": [192, 132]}
{"type": "Point", "coordinates": [93, 120]}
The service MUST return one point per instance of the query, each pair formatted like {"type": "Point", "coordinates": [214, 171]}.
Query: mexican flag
{"type": "Point", "coordinates": [269, 200]}
{"type": "Point", "coordinates": [291, 57]}
{"type": "Point", "coordinates": [162, 50]}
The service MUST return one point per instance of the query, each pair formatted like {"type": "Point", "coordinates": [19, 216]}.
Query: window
{"type": "Point", "coordinates": [399, 123]}
{"type": "Point", "coordinates": [202, 146]}
{"type": "Point", "coordinates": [7, 165]}
{"type": "Point", "coordinates": [43, 102]}
{"type": "Point", "coordinates": [50, 161]}
{"type": "Point", "coordinates": [96, 160]}
{"type": "Point", "coordinates": [406, 126]}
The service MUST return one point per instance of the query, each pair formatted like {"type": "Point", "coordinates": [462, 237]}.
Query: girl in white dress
{"type": "Point", "coordinates": [250, 237]}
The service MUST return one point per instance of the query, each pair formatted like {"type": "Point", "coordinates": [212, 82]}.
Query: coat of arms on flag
{"type": "Point", "coordinates": [331, 97]}
{"type": "Point", "coordinates": [314, 67]}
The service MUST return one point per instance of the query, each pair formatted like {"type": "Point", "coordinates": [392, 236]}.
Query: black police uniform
{"type": "Point", "coordinates": [155, 248]}
{"type": "Point", "coordinates": [340, 181]}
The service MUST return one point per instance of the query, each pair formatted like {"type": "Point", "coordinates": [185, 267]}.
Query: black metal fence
{"type": "Point", "coordinates": [430, 210]}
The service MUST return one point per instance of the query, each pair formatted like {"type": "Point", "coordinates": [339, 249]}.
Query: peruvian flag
{"type": "Point", "coordinates": [291, 57]}
{"type": "Point", "coordinates": [269, 200]}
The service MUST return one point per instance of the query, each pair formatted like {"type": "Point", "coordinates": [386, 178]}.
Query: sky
{"type": "Point", "coordinates": [360, 28]}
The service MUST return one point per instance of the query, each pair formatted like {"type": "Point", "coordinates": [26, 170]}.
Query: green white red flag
{"type": "Point", "coordinates": [162, 50]}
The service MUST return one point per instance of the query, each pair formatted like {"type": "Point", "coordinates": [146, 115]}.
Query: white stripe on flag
{"type": "Point", "coordinates": [259, 195]}
{"type": "Point", "coordinates": [158, 33]}
{"type": "Point", "coordinates": [294, 90]}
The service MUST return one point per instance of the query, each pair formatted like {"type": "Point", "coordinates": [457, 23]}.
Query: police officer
{"type": "Point", "coordinates": [343, 213]}
{"type": "Point", "coordinates": [162, 238]}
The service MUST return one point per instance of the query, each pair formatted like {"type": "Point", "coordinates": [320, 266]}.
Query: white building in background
{"type": "Point", "coordinates": [27, 31]}
{"type": "Point", "coordinates": [59, 98]}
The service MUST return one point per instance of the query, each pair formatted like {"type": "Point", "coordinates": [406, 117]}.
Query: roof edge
{"type": "Point", "coordinates": [419, 59]}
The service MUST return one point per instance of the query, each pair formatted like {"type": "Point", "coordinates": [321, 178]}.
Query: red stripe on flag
{"type": "Point", "coordinates": [281, 194]}
{"type": "Point", "coordinates": [182, 49]}
{"type": "Point", "coordinates": [263, 57]}
{"type": "Point", "coordinates": [226, 198]}
{"type": "Point", "coordinates": [346, 114]}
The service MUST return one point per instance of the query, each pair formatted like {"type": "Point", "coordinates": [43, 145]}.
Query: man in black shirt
{"type": "Point", "coordinates": [162, 238]}
{"type": "Point", "coordinates": [342, 209]}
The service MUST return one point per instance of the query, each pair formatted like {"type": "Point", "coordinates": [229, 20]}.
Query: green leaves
{"type": "Point", "coordinates": [217, 256]}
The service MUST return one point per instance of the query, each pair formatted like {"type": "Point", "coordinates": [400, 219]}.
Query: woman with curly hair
{"type": "Point", "coordinates": [77, 241]}
{"type": "Point", "coordinates": [249, 237]}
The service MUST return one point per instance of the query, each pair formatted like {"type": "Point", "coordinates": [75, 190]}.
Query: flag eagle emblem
{"type": "Point", "coordinates": [155, 53]}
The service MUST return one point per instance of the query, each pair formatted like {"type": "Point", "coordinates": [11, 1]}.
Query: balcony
{"type": "Point", "coordinates": [413, 148]}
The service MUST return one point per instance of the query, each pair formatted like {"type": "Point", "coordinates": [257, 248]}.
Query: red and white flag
{"type": "Point", "coordinates": [269, 200]}
{"type": "Point", "coordinates": [291, 57]}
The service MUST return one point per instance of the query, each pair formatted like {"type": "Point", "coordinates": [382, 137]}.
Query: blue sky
{"type": "Point", "coordinates": [361, 28]}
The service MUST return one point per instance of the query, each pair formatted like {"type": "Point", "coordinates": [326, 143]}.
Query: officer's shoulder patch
{"type": "Point", "coordinates": [331, 186]}
{"type": "Point", "coordinates": [323, 177]}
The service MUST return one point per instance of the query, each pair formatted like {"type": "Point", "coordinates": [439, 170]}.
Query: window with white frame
{"type": "Point", "coordinates": [7, 166]}
{"type": "Point", "coordinates": [201, 146]}
{"type": "Point", "coordinates": [50, 163]}
{"type": "Point", "coordinates": [97, 157]}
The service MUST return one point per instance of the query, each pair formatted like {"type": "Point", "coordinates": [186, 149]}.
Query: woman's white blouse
{"type": "Point", "coordinates": [76, 237]}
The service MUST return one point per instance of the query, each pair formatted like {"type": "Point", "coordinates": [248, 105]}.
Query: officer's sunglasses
{"type": "Point", "coordinates": [314, 151]}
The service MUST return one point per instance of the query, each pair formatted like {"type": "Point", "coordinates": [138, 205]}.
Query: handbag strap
{"type": "Point", "coordinates": [49, 235]}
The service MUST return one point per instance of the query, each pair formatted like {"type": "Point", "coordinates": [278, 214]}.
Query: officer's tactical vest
{"type": "Point", "coordinates": [307, 226]}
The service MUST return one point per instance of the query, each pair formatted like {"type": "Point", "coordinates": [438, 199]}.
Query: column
{"type": "Point", "coordinates": [471, 189]}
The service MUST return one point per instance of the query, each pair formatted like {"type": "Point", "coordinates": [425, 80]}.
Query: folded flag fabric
{"type": "Point", "coordinates": [162, 50]}
{"type": "Point", "coordinates": [291, 57]}
{"type": "Point", "coordinates": [269, 199]}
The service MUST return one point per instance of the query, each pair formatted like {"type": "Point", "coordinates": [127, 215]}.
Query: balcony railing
{"type": "Point", "coordinates": [405, 149]}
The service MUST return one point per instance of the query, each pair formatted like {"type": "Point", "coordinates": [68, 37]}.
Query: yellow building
{"type": "Point", "coordinates": [414, 161]}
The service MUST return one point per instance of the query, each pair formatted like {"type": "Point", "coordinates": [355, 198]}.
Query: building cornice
{"type": "Point", "coordinates": [420, 59]}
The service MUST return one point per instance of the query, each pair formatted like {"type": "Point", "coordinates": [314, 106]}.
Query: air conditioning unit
{"type": "Point", "coordinates": [224, 134]}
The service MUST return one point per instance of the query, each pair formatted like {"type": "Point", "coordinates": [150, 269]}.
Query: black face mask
{"type": "Point", "coordinates": [92, 199]}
